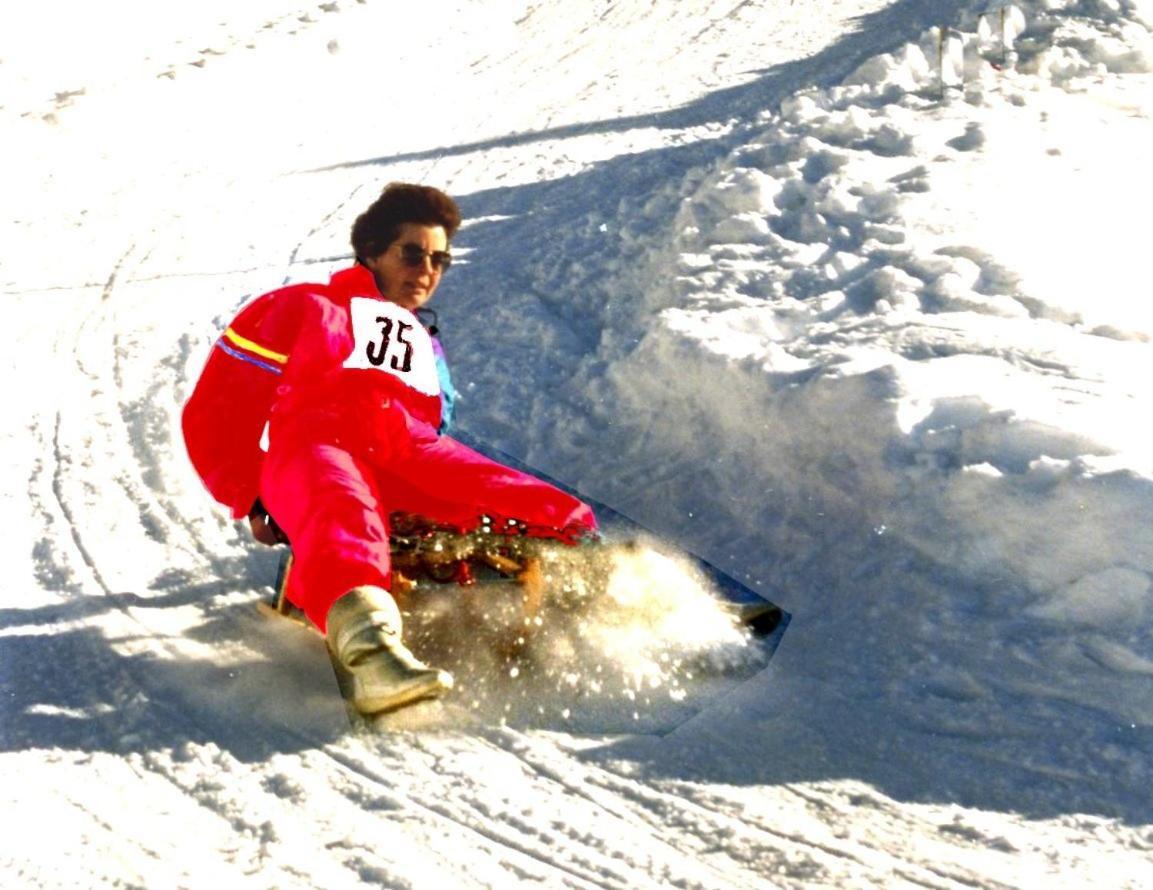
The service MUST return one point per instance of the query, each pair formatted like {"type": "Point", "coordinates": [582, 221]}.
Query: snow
{"type": "Point", "coordinates": [847, 298]}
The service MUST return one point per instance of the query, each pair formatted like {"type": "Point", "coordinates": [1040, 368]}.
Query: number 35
{"type": "Point", "coordinates": [379, 351]}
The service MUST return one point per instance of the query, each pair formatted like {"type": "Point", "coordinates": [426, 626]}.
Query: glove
{"type": "Point", "coordinates": [264, 527]}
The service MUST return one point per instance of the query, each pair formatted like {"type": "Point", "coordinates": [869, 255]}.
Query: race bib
{"type": "Point", "coordinates": [389, 338]}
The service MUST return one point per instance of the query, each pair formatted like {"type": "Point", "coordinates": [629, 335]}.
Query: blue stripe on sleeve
{"type": "Point", "coordinates": [244, 357]}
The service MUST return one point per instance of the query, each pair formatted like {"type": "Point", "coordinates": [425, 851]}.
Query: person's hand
{"type": "Point", "coordinates": [264, 527]}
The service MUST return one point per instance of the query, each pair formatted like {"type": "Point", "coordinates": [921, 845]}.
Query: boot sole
{"type": "Point", "coordinates": [404, 697]}
{"type": "Point", "coordinates": [432, 687]}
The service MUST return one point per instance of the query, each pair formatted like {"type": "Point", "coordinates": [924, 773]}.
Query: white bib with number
{"type": "Point", "coordinates": [391, 339]}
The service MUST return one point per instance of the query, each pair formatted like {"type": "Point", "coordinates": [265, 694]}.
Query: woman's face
{"type": "Point", "coordinates": [408, 272]}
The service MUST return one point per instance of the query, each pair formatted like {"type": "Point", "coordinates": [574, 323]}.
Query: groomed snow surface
{"type": "Point", "coordinates": [848, 298]}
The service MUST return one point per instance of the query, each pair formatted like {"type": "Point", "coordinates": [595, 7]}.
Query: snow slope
{"type": "Point", "coordinates": [847, 298]}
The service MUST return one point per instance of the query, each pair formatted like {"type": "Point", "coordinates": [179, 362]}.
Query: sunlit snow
{"type": "Point", "coordinates": [850, 299]}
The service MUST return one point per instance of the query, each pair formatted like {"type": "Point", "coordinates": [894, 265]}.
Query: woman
{"type": "Point", "coordinates": [356, 395]}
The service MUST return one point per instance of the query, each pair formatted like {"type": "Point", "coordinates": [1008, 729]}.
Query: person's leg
{"type": "Point", "coordinates": [329, 506]}
{"type": "Point", "coordinates": [447, 481]}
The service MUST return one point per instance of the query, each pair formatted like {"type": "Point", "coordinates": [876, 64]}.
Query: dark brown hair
{"type": "Point", "coordinates": [399, 203]}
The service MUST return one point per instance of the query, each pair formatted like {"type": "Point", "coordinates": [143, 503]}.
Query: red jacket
{"type": "Point", "coordinates": [322, 362]}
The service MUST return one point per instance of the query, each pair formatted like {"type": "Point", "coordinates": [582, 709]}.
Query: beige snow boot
{"type": "Point", "coordinates": [376, 671]}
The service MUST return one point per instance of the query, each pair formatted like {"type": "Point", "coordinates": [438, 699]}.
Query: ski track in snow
{"type": "Point", "coordinates": [135, 674]}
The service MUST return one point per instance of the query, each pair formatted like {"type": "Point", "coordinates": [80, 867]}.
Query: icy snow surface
{"type": "Point", "coordinates": [849, 298]}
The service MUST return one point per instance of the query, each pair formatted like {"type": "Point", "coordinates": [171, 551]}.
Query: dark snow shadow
{"type": "Point", "coordinates": [64, 684]}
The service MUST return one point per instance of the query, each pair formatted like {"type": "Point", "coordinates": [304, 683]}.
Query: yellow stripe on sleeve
{"type": "Point", "coordinates": [245, 343]}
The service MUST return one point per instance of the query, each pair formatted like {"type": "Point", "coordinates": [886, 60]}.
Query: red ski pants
{"type": "Point", "coordinates": [334, 506]}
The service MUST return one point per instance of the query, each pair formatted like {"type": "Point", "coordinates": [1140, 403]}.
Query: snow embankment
{"type": "Point", "coordinates": [862, 370]}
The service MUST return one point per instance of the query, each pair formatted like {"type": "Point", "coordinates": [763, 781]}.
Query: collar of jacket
{"type": "Point", "coordinates": [355, 281]}
{"type": "Point", "coordinates": [358, 281]}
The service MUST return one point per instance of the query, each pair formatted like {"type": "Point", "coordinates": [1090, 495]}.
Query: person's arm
{"type": "Point", "coordinates": [448, 392]}
{"type": "Point", "coordinates": [224, 419]}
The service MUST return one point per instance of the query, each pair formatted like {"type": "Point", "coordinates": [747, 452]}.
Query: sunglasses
{"type": "Point", "coordinates": [412, 255]}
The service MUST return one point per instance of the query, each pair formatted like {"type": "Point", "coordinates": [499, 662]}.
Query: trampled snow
{"type": "Point", "coordinates": [848, 298]}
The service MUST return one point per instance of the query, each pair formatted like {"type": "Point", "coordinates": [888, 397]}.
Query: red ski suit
{"type": "Point", "coordinates": [352, 436]}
